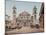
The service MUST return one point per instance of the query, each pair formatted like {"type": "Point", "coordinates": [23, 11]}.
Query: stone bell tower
{"type": "Point", "coordinates": [14, 17]}
{"type": "Point", "coordinates": [34, 15]}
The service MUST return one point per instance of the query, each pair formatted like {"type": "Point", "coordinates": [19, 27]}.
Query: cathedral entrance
{"type": "Point", "coordinates": [25, 24]}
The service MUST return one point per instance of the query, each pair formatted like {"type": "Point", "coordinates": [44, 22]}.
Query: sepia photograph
{"type": "Point", "coordinates": [23, 17]}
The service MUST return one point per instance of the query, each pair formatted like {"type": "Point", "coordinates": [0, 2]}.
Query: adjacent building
{"type": "Point", "coordinates": [7, 22]}
{"type": "Point", "coordinates": [41, 18]}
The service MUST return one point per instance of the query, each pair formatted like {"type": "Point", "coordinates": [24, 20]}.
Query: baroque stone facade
{"type": "Point", "coordinates": [24, 19]}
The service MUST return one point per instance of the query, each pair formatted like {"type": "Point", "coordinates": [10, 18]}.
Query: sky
{"type": "Point", "coordinates": [21, 6]}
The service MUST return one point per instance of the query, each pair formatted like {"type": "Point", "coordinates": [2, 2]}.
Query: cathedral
{"type": "Point", "coordinates": [24, 19]}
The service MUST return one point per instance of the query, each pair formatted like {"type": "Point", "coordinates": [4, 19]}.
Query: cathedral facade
{"type": "Point", "coordinates": [24, 19]}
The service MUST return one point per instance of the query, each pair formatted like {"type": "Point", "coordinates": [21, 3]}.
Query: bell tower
{"type": "Point", "coordinates": [14, 13]}
{"type": "Point", "coordinates": [14, 17]}
{"type": "Point", "coordinates": [34, 15]}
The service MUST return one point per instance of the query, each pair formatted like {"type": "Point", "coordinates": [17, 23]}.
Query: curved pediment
{"type": "Point", "coordinates": [24, 13]}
